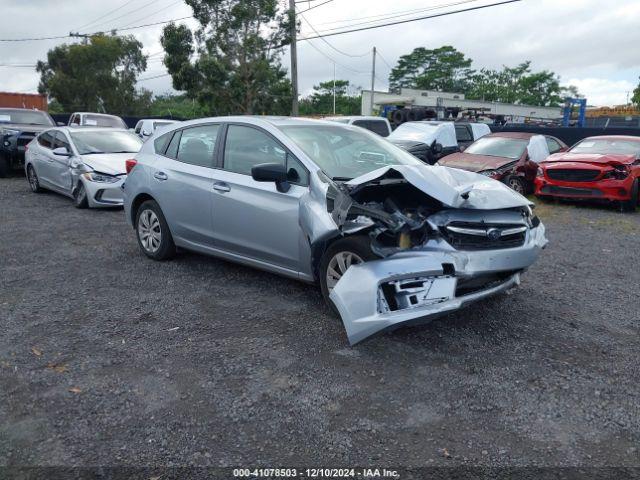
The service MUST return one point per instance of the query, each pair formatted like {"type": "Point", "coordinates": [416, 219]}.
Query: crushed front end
{"type": "Point", "coordinates": [439, 251]}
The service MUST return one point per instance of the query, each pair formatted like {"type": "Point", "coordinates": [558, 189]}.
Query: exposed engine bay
{"type": "Point", "coordinates": [441, 244]}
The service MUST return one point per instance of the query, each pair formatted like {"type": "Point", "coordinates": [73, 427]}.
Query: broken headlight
{"type": "Point", "coordinates": [619, 172]}
{"type": "Point", "coordinates": [100, 177]}
{"type": "Point", "coordinates": [489, 173]}
{"type": "Point", "coordinates": [540, 172]}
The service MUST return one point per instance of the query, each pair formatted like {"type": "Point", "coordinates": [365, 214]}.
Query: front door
{"type": "Point", "coordinates": [254, 219]}
{"type": "Point", "coordinates": [60, 164]}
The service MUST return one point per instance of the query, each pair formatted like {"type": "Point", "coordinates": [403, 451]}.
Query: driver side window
{"type": "Point", "coordinates": [246, 147]}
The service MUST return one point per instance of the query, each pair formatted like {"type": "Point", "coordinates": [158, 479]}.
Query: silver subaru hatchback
{"type": "Point", "coordinates": [389, 240]}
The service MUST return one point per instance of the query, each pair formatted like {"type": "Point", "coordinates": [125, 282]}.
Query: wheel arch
{"type": "Point", "coordinates": [135, 205]}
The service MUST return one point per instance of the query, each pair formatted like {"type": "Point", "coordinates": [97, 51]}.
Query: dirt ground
{"type": "Point", "coordinates": [109, 358]}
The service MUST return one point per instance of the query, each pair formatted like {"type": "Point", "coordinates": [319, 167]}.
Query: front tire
{"type": "Point", "coordinates": [152, 232]}
{"type": "Point", "coordinates": [335, 261]}
{"type": "Point", "coordinates": [631, 204]}
{"type": "Point", "coordinates": [32, 177]}
{"type": "Point", "coordinates": [80, 197]}
{"type": "Point", "coordinates": [516, 183]}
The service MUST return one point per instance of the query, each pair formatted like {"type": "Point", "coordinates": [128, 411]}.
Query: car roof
{"type": "Point", "coordinates": [95, 113]}
{"type": "Point", "coordinates": [355, 117]}
{"type": "Point", "coordinates": [260, 120]}
{"type": "Point", "coordinates": [79, 128]}
{"type": "Point", "coordinates": [614, 137]}
{"type": "Point", "coordinates": [518, 135]}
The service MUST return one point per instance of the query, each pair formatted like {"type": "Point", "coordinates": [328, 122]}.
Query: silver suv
{"type": "Point", "coordinates": [389, 239]}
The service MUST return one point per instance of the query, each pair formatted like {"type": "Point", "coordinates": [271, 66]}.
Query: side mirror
{"type": "Point", "coordinates": [145, 133]}
{"type": "Point", "coordinates": [61, 151]}
{"type": "Point", "coordinates": [271, 172]}
{"type": "Point", "coordinates": [463, 148]}
{"type": "Point", "coordinates": [437, 148]}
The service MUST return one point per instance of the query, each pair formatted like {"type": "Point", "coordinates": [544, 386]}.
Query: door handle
{"type": "Point", "coordinates": [160, 176]}
{"type": "Point", "coordinates": [221, 187]}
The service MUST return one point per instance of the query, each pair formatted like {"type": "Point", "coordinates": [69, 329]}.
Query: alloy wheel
{"type": "Point", "coordinates": [33, 179]}
{"type": "Point", "coordinates": [338, 265]}
{"type": "Point", "coordinates": [516, 185]}
{"type": "Point", "coordinates": [149, 231]}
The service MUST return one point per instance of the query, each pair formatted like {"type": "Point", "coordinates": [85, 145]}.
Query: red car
{"type": "Point", "coordinates": [503, 156]}
{"type": "Point", "coordinates": [597, 168]}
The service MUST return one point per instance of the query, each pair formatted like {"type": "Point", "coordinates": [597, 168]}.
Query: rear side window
{"type": "Point", "coordinates": [197, 145]}
{"type": "Point", "coordinates": [247, 146]}
{"type": "Point", "coordinates": [463, 134]}
{"type": "Point", "coordinates": [46, 140]}
{"type": "Point", "coordinates": [160, 143]}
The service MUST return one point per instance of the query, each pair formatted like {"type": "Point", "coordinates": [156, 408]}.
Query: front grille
{"type": "Point", "coordinates": [466, 241]}
{"type": "Point", "coordinates": [572, 175]}
{"type": "Point", "coordinates": [578, 192]}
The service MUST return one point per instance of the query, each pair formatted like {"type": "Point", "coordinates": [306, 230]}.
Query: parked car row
{"type": "Point", "coordinates": [388, 239]}
{"type": "Point", "coordinates": [18, 127]}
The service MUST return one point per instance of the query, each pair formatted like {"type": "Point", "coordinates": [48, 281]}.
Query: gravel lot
{"type": "Point", "coordinates": [108, 358]}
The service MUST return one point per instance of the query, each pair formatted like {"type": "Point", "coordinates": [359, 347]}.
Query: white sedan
{"type": "Point", "coordinates": [86, 164]}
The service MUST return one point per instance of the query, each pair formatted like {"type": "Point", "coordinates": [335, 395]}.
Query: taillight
{"type": "Point", "coordinates": [129, 164]}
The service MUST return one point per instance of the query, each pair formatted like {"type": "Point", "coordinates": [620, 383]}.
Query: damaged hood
{"type": "Point", "coordinates": [450, 186]}
{"type": "Point", "coordinates": [593, 158]}
{"type": "Point", "coordinates": [109, 163]}
{"type": "Point", "coordinates": [474, 163]}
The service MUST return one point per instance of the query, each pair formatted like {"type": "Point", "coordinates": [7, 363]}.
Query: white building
{"type": "Point", "coordinates": [427, 98]}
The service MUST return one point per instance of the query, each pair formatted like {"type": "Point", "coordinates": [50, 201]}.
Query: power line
{"type": "Point", "coordinates": [153, 14]}
{"type": "Point", "coordinates": [337, 63]}
{"type": "Point", "coordinates": [106, 14]}
{"type": "Point", "coordinates": [95, 33]}
{"type": "Point", "coordinates": [129, 13]}
{"type": "Point", "coordinates": [384, 60]}
{"type": "Point", "coordinates": [480, 7]}
{"type": "Point", "coordinates": [390, 15]}
{"type": "Point", "coordinates": [155, 76]}
{"type": "Point", "coordinates": [330, 45]}
{"type": "Point", "coordinates": [316, 6]}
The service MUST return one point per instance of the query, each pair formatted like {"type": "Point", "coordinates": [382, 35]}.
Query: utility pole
{"type": "Point", "coordinates": [373, 80]}
{"type": "Point", "coordinates": [334, 88]}
{"type": "Point", "coordinates": [294, 59]}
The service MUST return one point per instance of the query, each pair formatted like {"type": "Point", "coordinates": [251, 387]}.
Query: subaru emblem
{"type": "Point", "coordinates": [494, 234]}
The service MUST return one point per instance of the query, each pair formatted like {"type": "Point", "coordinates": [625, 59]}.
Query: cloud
{"type": "Point", "coordinates": [590, 43]}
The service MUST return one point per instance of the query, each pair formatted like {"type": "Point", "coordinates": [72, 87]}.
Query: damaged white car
{"type": "Point", "coordinates": [391, 241]}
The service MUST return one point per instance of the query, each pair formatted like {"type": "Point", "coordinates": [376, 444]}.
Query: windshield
{"type": "Point", "coordinates": [607, 146]}
{"type": "Point", "coordinates": [104, 121]}
{"type": "Point", "coordinates": [345, 152]}
{"type": "Point", "coordinates": [106, 142]}
{"type": "Point", "coordinates": [498, 147]}
{"type": "Point", "coordinates": [30, 117]}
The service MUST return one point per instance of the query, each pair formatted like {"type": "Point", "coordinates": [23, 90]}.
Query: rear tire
{"type": "Point", "coordinates": [5, 166]}
{"type": "Point", "coordinates": [631, 204]}
{"type": "Point", "coordinates": [340, 254]}
{"type": "Point", "coordinates": [80, 197]}
{"type": "Point", "coordinates": [32, 177]}
{"type": "Point", "coordinates": [152, 232]}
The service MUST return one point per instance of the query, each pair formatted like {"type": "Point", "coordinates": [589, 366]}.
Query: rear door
{"type": "Point", "coordinates": [182, 179]}
{"type": "Point", "coordinates": [253, 219]}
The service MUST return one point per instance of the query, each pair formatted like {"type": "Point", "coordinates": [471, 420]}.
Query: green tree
{"type": "Point", "coordinates": [99, 76]}
{"type": "Point", "coordinates": [237, 49]}
{"type": "Point", "coordinates": [444, 69]}
{"type": "Point", "coordinates": [320, 102]}
{"type": "Point", "coordinates": [178, 106]}
{"type": "Point", "coordinates": [636, 96]}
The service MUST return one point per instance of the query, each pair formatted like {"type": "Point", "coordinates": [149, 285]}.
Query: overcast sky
{"type": "Point", "coordinates": [593, 44]}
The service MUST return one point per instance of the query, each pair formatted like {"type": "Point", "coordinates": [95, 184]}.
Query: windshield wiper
{"type": "Point", "coordinates": [341, 179]}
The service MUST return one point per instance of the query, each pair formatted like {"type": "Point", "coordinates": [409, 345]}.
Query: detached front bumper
{"type": "Point", "coordinates": [104, 195]}
{"type": "Point", "coordinates": [414, 287]}
{"type": "Point", "coordinates": [610, 189]}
